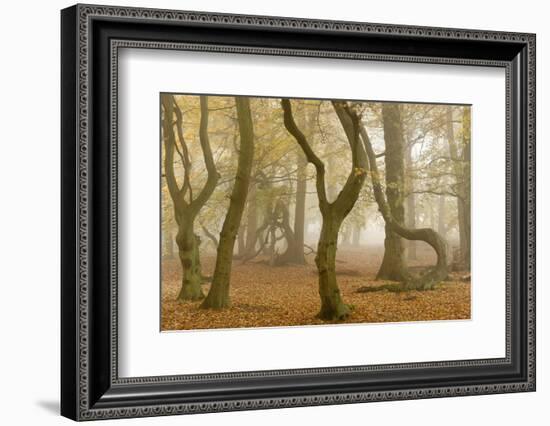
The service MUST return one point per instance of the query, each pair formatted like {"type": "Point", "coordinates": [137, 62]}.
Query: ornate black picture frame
{"type": "Point", "coordinates": [91, 37]}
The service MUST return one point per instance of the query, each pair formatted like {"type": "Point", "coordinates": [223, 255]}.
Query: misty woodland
{"type": "Point", "coordinates": [281, 212]}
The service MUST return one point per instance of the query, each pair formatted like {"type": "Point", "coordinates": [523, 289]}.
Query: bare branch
{"type": "Point", "coordinates": [213, 175]}
{"type": "Point", "coordinates": [169, 144]}
{"type": "Point", "coordinates": [290, 125]}
{"type": "Point", "coordinates": [184, 153]}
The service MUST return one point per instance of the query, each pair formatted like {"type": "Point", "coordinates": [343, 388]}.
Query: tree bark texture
{"type": "Point", "coordinates": [300, 210]}
{"type": "Point", "coordinates": [461, 169]}
{"type": "Point", "coordinates": [393, 265]}
{"type": "Point", "coordinates": [186, 208]}
{"type": "Point", "coordinates": [218, 296]}
{"type": "Point", "coordinates": [333, 213]}
{"type": "Point", "coordinates": [434, 275]}
{"type": "Point", "coordinates": [410, 204]}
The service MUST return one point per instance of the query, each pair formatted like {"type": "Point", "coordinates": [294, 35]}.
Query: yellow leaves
{"type": "Point", "coordinates": [265, 296]}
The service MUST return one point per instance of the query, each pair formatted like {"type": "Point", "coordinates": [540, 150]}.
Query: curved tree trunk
{"type": "Point", "coordinates": [436, 274]}
{"type": "Point", "coordinates": [293, 252]}
{"type": "Point", "coordinates": [333, 213]}
{"type": "Point", "coordinates": [218, 296]}
{"type": "Point", "coordinates": [210, 236]}
{"type": "Point", "coordinates": [186, 208]}
{"type": "Point", "coordinates": [262, 234]}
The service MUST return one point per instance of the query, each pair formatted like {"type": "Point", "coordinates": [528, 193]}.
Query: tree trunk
{"type": "Point", "coordinates": [441, 226]}
{"type": "Point", "coordinates": [188, 245]}
{"type": "Point", "coordinates": [186, 210]}
{"type": "Point", "coordinates": [433, 275]}
{"type": "Point", "coordinates": [281, 221]}
{"type": "Point", "coordinates": [432, 216]}
{"type": "Point", "coordinates": [463, 237]}
{"type": "Point", "coordinates": [462, 175]}
{"type": "Point", "coordinates": [300, 210]}
{"type": "Point", "coordinates": [356, 238]}
{"type": "Point", "coordinates": [410, 210]}
{"type": "Point", "coordinates": [331, 175]}
{"type": "Point", "coordinates": [251, 221]}
{"type": "Point", "coordinates": [332, 305]}
{"type": "Point", "coordinates": [218, 296]}
{"type": "Point", "coordinates": [333, 212]}
{"type": "Point", "coordinates": [393, 265]}
{"type": "Point", "coordinates": [241, 243]}
{"type": "Point", "coordinates": [466, 161]}
{"type": "Point", "coordinates": [210, 236]}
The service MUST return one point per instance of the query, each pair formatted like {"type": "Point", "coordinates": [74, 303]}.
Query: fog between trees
{"type": "Point", "coordinates": [284, 182]}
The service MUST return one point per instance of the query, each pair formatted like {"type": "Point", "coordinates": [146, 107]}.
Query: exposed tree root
{"type": "Point", "coordinates": [424, 282]}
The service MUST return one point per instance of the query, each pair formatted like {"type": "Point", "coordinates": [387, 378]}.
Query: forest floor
{"type": "Point", "coordinates": [266, 296]}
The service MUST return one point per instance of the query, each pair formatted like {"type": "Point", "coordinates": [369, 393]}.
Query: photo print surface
{"type": "Point", "coordinates": [281, 212]}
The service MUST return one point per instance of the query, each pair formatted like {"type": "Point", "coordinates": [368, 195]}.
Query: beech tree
{"type": "Point", "coordinates": [275, 206]}
{"type": "Point", "coordinates": [408, 282]}
{"type": "Point", "coordinates": [186, 205]}
{"type": "Point", "coordinates": [459, 156]}
{"type": "Point", "coordinates": [218, 296]}
{"type": "Point", "coordinates": [393, 264]}
{"type": "Point", "coordinates": [333, 213]}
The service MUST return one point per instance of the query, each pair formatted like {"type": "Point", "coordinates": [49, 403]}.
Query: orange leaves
{"type": "Point", "coordinates": [265, 296]}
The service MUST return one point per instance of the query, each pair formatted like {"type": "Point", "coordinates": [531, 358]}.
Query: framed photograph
{"type": "Point", "coordinates": [263, 212]}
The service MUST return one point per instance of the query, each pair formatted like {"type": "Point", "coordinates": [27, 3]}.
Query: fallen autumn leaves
{"type": "Point", "coordinates": [265, 296]}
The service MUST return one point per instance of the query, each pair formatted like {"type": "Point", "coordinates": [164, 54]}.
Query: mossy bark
{"type": "Point", "coordinates": [333, 307]}
{"type": "Point", "coordinates": [188, 245]}
{"type": "Point", "coordinates": [393, 265]}
{"type": "Point", "coordinates": [218, 296]}
{"type": "Point", "coordinates": [434, 275]}
{"type": "Point", "coordinates": [186, 208]}
{"type": "Point", "coordinates": [333, 212]}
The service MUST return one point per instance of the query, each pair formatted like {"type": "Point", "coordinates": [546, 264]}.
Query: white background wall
{"type": "Point", "coordinates": [29, 216]}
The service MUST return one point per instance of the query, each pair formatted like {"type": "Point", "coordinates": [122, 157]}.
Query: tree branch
{"type": "Point", "coordinates": [169, 144]}
{"type": "Point", "coordinates": [213, 175]}
{"type": "Point", "coordinates": [350, 191]}
{"type": "Point", "coordinates": [184, 153]}
{"type": "Point", "coordinates": [290, 125]}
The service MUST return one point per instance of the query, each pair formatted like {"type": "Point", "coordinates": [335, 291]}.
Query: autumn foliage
{"type": "Point", "coordinates": [283, 212]}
